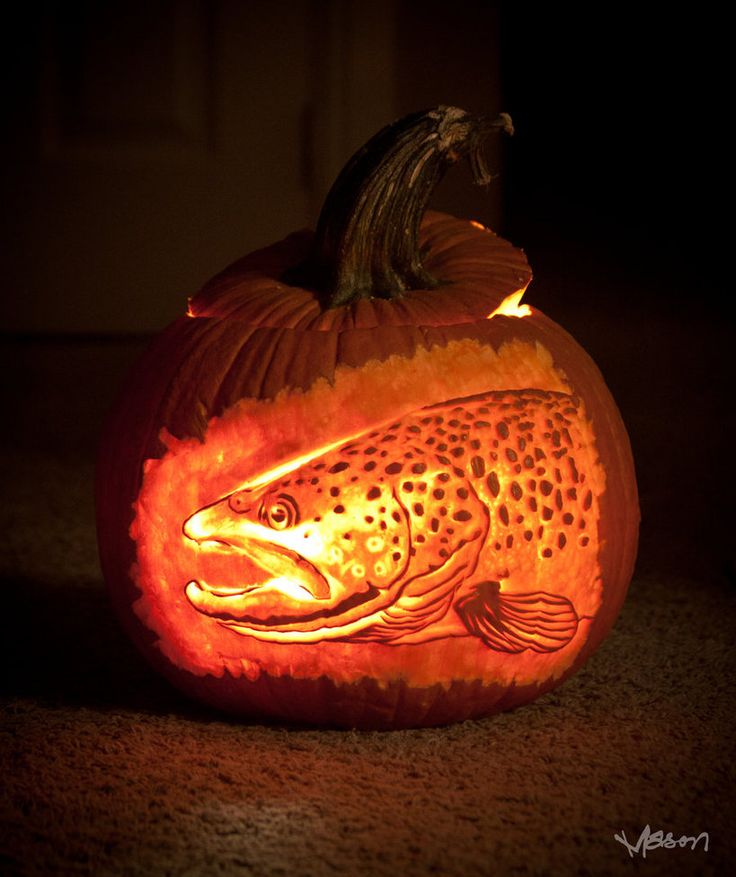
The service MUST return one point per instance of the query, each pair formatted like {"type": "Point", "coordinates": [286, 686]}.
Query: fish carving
{"type": "Point", "coordinates": [462, 518]}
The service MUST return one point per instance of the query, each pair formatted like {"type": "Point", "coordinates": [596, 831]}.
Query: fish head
{"type": "Point", "coordinates": [328, 548]}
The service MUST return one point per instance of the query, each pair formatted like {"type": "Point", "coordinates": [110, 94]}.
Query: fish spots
{"type": "Point", "coordinates": [493, 484]}
{"type": "Point", "coordinates": [495, 471]}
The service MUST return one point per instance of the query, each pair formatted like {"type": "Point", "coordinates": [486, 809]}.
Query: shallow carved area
{"type": "Point", "coordinates": [268, 546]}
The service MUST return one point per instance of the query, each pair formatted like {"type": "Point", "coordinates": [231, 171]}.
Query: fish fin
{"type": "Point", "coordinates": [425, 599]}
{"type": "Point", "coordinates": [515, 622]}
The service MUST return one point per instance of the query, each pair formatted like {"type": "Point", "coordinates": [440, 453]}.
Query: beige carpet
{"type": "Point", "coordinates": [106, 771]}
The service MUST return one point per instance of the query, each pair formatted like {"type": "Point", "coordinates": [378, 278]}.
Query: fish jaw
{"type": "Point", "coordinates": [312, 576]}
{"type": "Point", "coordinates": [288, 573]}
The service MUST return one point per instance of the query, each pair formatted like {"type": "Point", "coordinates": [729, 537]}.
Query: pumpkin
{"type": "Point", "coordinates": [358, 483]}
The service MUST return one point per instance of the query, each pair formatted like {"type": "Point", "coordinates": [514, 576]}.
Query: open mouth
{"type": "Point", "coordinates": [270, 604]}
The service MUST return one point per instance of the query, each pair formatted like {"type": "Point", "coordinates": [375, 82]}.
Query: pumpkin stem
{"type": "Point", "coordinates": [367, 239]}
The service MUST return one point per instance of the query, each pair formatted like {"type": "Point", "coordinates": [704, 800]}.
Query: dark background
{"type": "Point", "coordinates": [118, 203]}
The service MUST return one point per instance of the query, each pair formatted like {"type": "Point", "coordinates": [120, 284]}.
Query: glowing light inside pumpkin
{"type": "Point", "coordinates": [486, 606]}
{"type": "Point", "coordinates": [511, 306]}
{"type": "Point", "coordinates": [291, 465]}
{"type": "Point", "coordinates": [474, 516]}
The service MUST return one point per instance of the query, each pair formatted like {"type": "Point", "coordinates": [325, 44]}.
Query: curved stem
{"type": "Point", "coordinates": [367, 239]}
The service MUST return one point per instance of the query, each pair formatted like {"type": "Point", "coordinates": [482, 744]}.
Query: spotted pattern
{"type": "Point", "coordinates": [496, 472]}
{"type": "Point", "coordinates": [523, 477]}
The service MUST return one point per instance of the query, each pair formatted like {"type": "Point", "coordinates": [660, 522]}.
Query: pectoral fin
{"type": "Point", "coordinates": [514, 622]}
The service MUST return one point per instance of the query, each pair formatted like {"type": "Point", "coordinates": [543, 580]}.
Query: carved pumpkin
{"type": "Point", "coordinates": [359, 483]}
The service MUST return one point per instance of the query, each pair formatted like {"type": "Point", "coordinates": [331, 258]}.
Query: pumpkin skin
{"type": "Point", "coordinates": [260, 385]}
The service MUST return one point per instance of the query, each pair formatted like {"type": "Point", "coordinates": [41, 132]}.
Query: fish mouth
{"type": "Point", "coordinates": [295, 595]}
{"type": "Point", "coordinates": [270, 605]}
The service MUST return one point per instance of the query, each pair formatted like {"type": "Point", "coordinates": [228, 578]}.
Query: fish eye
{"type": "Point", "coordinates": [279, 512]}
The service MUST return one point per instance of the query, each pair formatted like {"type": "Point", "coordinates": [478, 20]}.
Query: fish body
{"type": "Point", "coordinates": [416, 530]}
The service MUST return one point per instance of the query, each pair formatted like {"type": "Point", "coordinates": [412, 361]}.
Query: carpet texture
{"type": "Point", "coordinates": [107, 771]}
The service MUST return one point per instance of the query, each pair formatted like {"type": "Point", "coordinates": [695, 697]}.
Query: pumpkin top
{"type": "Point", "coordinates": [478, 268]}
{"type": "Point", "coordinates": [373, 261]}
